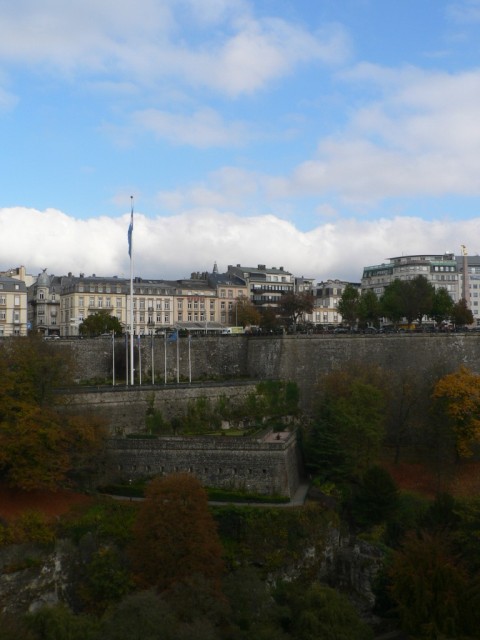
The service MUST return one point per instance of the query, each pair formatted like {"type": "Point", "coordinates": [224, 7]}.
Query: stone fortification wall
{"type": "Point", "coordinates": [125, 408]}
{"type": "Point", "coordinates": [267, 465]}
{"type": "Point", "coordinates": [303, 359]}
{"type": "Point", "coordinates": [207, 358]}
{"type": "Point", "coordinates": [306, 359]}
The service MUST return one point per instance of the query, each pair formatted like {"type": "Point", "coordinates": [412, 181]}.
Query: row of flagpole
{"type": "Point", "coordinates": [130, 361]}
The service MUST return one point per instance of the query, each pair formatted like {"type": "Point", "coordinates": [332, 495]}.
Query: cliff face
{"type": "Point", "coordinates": [32, 576]}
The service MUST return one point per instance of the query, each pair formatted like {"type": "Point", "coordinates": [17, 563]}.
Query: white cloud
{"type": "Point", "coordinates": [143, 42]}
{"type": "Point", "coordinates": [419, 138]}
{"type": "Point", "coordinates": [174, 247]}
{"type": "Point", "coordinates": [205, 128]}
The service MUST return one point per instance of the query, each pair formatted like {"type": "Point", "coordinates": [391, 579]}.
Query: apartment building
{"type": "Point", "coordinates": [327, 294]}
{"type": "Point", "coordinates": [441, 270]}
{"type": "Point", "coordinates": [13, 307]}
{"type": "Point", "coordinates": [81, 296]}
{"type": "Point", "coordinates": [44, 304]}
{"type": "Point", "coordinates": [264, 286]}
{"type": "Point", "coordinates": [153, 305]}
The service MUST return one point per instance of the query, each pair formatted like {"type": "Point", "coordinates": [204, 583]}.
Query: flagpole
{"type": "Point", "coordinates": [132, 329]}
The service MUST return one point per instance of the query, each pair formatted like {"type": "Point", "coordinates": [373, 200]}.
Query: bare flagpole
{"type": "Point", "coordinates": [130, 253]}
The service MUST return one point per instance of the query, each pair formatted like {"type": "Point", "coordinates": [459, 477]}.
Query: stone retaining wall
{"type": "Point", "coordinates": [268, 465]}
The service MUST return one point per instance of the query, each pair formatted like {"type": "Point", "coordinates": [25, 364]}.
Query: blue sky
{"type": "Point", "coordinates": [319, 135]}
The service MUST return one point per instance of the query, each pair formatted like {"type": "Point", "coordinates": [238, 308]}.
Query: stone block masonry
{"type": "Point", "coordinates": [267, 465]}
{"type": "Point", "coordinates": [124, 409]}
{"type": "Point", "coordinates": [302, 359]}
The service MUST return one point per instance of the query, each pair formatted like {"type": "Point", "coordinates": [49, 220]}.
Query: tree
{"type": "Point", "coordinates": [58, 622]}
{"type": "Point", "coordinates": [40, 447]}
{"type": "Point", "coordinates": [376, 497]}
{"type": "Point", "coordinates": [348, 304]}
{"type": "Point", "coordinates": [457, 397]}
{"type": "Point", "coordinates": [349, 424]}
{"type": "Point", "coordinates": [294, 306]}
{"type": "Point", "coordinates": [429, 587]}
{"type": "Point", "coordinates": [245, 313]}
{"type": "Point", "coordinates": [100, 322]}
{"type": "Point", "coordinates": [442, 305]}
{"type": "Point", "coordinates": [268, 319]}
{"type": "Point", "coordinates": [319, 612]}
{"type": "Point", "coordinates": [393, 300]}
{"type": "Point", "coordinates": [369, 308]}
{"type": "Point", "coordinates": [461, 314]}
{"type": "Point", "coordinates": [175, 535]}
{"type": "Point", "coordinates": [421, 298]}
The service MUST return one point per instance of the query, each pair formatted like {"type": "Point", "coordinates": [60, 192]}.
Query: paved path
{"type": "Point", "coordinates": [297, 500]}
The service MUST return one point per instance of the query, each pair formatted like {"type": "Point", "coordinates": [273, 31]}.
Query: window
{"type": "Point", "coordinates": [16, 301]}
{"type": "Point", "coordinates": [118, 303]}
{"type": "Point", "coordinates": [91, 301]}
{"type": "Point", "coordinates": [100, 302]}
{"type": "Point", "coordinates": [41, 294]}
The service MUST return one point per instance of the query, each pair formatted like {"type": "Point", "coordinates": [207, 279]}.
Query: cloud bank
{"type": "Point", "coordinates": [176, 246]}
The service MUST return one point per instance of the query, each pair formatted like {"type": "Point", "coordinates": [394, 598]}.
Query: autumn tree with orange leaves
{"type": "Point", "coordinates": [40, 446]}
{"type": "Point", "coordinates": [457, 399]}
{"type": "Point", "coordinates": [175, 535]}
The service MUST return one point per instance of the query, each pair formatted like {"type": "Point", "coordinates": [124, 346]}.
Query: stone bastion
{"type": "Point", "coordinates": [268, 464]}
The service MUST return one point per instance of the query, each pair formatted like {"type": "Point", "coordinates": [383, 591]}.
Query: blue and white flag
{"type": "Point", "coordinates": [130, 233]}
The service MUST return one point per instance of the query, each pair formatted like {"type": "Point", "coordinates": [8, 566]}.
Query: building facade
{"type": "Point", "coordinates": [44, 304]}
{"type": "Point", "coordinates": [469, 275]}
{"type": "Point", "coordinates": [441, 270]}
{"type": "Point", "coordinates": [264, 286]}
{"type": "Point", "coordinates": [327, 294]}
{"type": "Point", "coordinates": [13, 307]}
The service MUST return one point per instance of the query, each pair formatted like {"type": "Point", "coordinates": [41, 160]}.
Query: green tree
{"type": "Point", "coordinates": [40, 446]}
{"type": "Point", "coordinates": [142, 615]}
{"type": "Point", "coordinates": [319, 612]}
{"type": "Point", "coordinates": [60, 623]}
{"type": "Point", "coordinates": [350, 422]}
{"type": "Point", "coordinates": [294, 306]}
{"type": "Point", "coordinates": [421, 298]}
{"type": "Point", "coordinates": [175, 535]}
{"type": "Point", "coordinates": [369, 309]}
{"type": "Point", "coordinates": [100, 322]}
{"type": "Point", "coordinates": [375, 499]}
{"type": "Point", "coordinates": [461, 315]}
{"type": "Point", "coordinates": [394, 301]}
{"type": "Point", "coordinates": [348, 305]}
{"type": "Point", "coordinates": [442, 305]}
{"type": "Point", "coordinates": [106, 580]}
